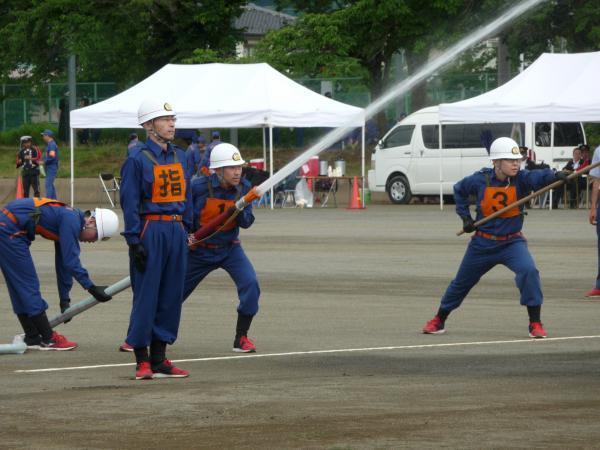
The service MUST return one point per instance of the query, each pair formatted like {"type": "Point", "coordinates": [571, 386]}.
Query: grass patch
{"type": "Point", "coordinates": [90, 160]}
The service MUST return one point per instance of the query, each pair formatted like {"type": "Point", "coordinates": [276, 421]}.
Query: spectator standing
{"type": "Point", "coordinates": [205, 163]}
{"type": "Point", "coordinates": [50, 162]}
{"type": "Point", "coordinates": [133, 142]}
{"type": "Point", "coordinates": [84, 134]}
{"type": "Point", "coordinates": [194, 154]}
{"type": "Point", "coordinates": [29, 159]}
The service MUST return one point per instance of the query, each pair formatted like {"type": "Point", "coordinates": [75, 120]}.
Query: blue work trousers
{"type": "Point", "coordinates": [484, 254]}
{"type": "Point", "coordinates": [598, 244]}
{"type": "Point", "coordinates": [51, 172]}
{"type": "Point", "coordinates": [64, 279]}
{"type": "Point", "coordinates": [234, 261]}
{"type": "Point", "coordinates": [158, 291]}
{"type": "Point", "coordinates": [18, 270]}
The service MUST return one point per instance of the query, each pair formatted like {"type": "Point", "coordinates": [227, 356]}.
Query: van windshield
{"type": "Point", "coordinates": [566, 134]}
{"type": "Point", "coordinates": [469, 135]}
{"type": "Point", "coordinates": [402, 135]}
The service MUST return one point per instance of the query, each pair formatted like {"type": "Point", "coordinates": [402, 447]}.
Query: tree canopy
{"type": "Point", "coordinates": [122, 41]}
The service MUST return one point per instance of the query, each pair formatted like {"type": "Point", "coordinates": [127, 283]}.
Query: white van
{"type": "Point", "coordinates": [407, 160]}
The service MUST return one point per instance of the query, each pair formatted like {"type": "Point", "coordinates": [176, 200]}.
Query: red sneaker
{"type": "Point", "coordinates": [143, 371]}
{"type": "Point", "coordinates": [594, 293]}
{"type": "Point", "coordinates": [58, 342]}
{"type": "Point", "coordinates": [434, 326]}
{"type": "Point", "coordinates": [536, 330]}
{"type": "Point", "coordinates": [244, 345]}
{"type": "Point", "coordinates": [125, 347]}
{"type": "Point", "coordinates": [166, 369]}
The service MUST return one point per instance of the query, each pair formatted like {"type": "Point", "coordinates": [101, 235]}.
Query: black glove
{"type": "Point", "coordinates": [468, 224]}
{"type": "Point", "coordinates": [140, 256]}
{"type": "Point", "coordinates": [99, 294]}
{"type": "Point", "coordinates": [561, 175]}
{"type": "Point", "coordinates": [64, 305]}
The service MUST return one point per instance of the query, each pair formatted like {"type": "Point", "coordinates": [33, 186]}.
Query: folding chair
{"type": "Point", "coordinates": [108, 187]}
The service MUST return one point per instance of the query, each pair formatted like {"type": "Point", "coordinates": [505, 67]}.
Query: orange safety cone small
{"type": "Point", "coordinates": [19, 190]}
{"type": "Point", "coordinates": [355, 202]}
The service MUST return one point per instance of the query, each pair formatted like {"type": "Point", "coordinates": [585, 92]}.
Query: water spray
{"type": "Point", "coordinates": [400, 89]}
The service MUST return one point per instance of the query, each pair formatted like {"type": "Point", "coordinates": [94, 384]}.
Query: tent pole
{"type": "Point", "coordinates": [264, 139]}
{"type": "Point", "coordinates": [271, 159]}
{"type": "Point", "coordinates": [441, 165]}
{"type": "Point", "coordinates": [552, 153]}
{"type": "Point", "coordinates": [72, 147]}
{"type": "Point", "coordinates": [362, 170]}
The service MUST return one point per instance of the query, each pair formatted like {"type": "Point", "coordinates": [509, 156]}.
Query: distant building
{"type": "Point", "coordinates": [255, 22]}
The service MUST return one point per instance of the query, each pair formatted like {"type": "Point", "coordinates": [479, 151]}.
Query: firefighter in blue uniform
{"type": "Point", "coordinates": [499, 241]}
{"type": "Point", "coordinates": [211, 196]}
{"type": "Point", "coordinates": [20, 221]}
{"type": "Point", "coordinates": [215, 140]}
{"type": "Point", "coordinates": [155, 198]}
{"type": "Point", "coordinates": [195, 153]}
{"type": "Point", "coordinates": [50, 162]}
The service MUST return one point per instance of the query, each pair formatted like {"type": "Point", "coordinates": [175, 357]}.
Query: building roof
{"type": "Point", "coordinates": [256, 20]}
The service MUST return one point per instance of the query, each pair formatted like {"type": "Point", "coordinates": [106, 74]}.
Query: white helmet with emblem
{"type": "Point", "coordinates": [225, 155]}
{"type": "Point", "coordinates": [505, 148]}
{"type": "Point", "coordinates": [107, 223]}
{"type": "Point", "coordinates": [151, 109]}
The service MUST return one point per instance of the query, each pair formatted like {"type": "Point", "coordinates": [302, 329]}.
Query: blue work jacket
{"type": "Point", "coordinates": [137, 176]}
{"type": "Point", "coordinates": [51, 160]}
{"type": "Point", "coordinates": [200, 195]}
{"type": "Point", "coordinates": [525, 182]}
{"type": "Point", "coordinates": [59, 223]}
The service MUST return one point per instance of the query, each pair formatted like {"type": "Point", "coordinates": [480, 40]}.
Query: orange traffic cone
{"type": "Point", "coordinates": [355, 198]}
{"type": "Point", "coordinates": [19, 190]}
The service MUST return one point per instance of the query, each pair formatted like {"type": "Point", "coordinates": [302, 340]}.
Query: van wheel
{"type": "Point", "coordinates": [398, 190]}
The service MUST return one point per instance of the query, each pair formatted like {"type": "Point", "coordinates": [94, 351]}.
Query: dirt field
{"type": "Point", "coordinates": [341, 363]}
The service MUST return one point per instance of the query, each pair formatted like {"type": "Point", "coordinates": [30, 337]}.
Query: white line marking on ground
{"type": "Point", "coordinates": [318, 352]}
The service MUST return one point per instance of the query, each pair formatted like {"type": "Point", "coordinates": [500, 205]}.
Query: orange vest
{"type": "Point", "coordinates": [168, 184]}
{"type": "Point", "coordinates": [38, 202]}
{"type": "Point", "coordinates": [216, 206]}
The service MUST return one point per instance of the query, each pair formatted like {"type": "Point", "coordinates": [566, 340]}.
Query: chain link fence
{"type": "Point", "coordinates": [20, 105]}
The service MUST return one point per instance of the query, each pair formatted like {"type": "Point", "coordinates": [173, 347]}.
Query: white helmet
{"type": "Point", "coordinates": [505, 148]}
{"type": "Point", "coordinates": [107, 223]}
{"type": "Point", "coordinates": [225, 155]}
{"type": "Point", "coordinates": [151, 109]}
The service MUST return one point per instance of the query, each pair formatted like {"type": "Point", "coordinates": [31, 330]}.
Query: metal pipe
{"type": "Point", "coordinates": [86, 304]}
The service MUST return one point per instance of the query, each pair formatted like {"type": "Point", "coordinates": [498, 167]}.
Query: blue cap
{"type": "Point", "coordinates": [47, 133]}
{"type": "Point", "coordinates": [201, 140]}
{"type": "Point", "coordinates": [216, 134]}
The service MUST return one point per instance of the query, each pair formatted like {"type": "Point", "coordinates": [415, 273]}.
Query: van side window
{"type": "Point", "coordinates": [400, 136]}
{"type": "Point", "coordinates": [469, 135]}
{"type": "Point", "coordinates": [566, 134]}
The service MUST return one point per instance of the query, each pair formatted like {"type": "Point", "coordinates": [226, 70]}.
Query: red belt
{"type": "Point", "coordinates": [165, 217]}
{"type": "Point", "coordinates": [10, 215]}
{"type": "Point", "coordinates": [498, 238]}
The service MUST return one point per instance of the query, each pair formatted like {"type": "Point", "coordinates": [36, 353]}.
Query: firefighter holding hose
{"type": "Point", "coordinates": [215, 196]}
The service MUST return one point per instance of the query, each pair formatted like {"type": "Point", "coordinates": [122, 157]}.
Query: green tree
{"type": "Point", "coordinates": [123, 41]}
{"type": "Point", "coordinates": [359, 37]}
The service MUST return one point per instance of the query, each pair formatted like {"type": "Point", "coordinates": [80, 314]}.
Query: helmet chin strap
{"type": "Point", "coordinates": [159, 138]}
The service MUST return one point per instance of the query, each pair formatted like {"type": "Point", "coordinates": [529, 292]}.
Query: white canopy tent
{"type": "Point", "coordinates": [221, 96]}
{"type": "Point", "coordinates": [557, 87]}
